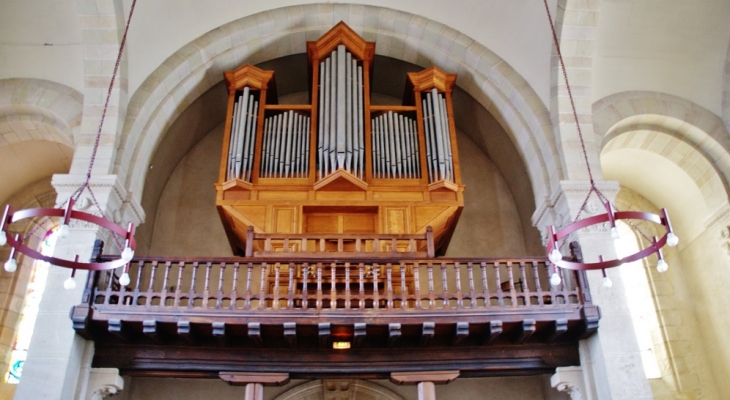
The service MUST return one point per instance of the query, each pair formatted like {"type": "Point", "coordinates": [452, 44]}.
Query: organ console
{"type": "Point", "coordinates": [339, 165]}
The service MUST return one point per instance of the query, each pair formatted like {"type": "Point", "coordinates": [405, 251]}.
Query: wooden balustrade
{"type": "Point", "coordinates": [266, 284]}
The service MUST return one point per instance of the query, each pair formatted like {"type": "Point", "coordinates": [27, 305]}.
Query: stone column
{"type": "Point", "coordinates": [103, 382]}
{"type": "Point", "coordinates": [254, 391]}
{"type": "Point", "coordinates": [58, 360]}
{"type": "Point", "coordinates": [610, 359]}
{"type": "Point", "coordinates": [426, 381]}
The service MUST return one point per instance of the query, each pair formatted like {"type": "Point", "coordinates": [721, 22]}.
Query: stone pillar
{"type": "Point", "coordinates": [254, 391]}
{"type": "Point", "coordinates": [58, 358]}
{"type": "Point", "coordinates": [610, 359]}
{"type": "Point", "coordinates": [426, 381]}
{"type": "Point", "coordinates": [570, 381]}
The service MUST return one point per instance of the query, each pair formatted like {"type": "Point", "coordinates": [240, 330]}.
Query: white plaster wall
{"type": "Point", "coordinates": [669, 46]}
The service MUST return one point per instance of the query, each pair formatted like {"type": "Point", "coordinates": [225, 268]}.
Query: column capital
{"type": "Point", "coordinates": [103, 382]}
{"type": "Point", "coordinates": [570, 381]}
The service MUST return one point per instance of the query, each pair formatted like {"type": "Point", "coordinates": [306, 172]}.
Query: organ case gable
{"type": "Point", "coordinates": [379, 168]}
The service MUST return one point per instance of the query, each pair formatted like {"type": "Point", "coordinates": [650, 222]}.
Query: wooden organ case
{"type": "Point", "coordinates": [339, 165]}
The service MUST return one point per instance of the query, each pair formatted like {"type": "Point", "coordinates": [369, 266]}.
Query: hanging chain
{"type": "Point", "coordinates": [77, 193]}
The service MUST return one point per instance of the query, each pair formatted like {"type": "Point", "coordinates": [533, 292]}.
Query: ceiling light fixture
{"type": "Point", "coordinates": [611, 216]}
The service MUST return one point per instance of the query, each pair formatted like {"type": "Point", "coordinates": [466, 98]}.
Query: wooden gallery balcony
{"type": "Point", "coordinates": [385, 306]}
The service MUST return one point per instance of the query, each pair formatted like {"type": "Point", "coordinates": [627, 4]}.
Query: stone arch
{"type": "Point", "coordinates": [344, 388]}
{"type": "Point", "coordinates": [196, 67]}
{"type": "Point", "coordinates": [701, 130]}
{"type": "Point", "coordinates": [726, 92]}
{"type": "Point", "coordinates": [39, 109]}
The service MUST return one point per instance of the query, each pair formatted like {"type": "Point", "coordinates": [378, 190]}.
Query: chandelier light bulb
{"type": "Point", "coordinates": [70, 283]}
{"type": "Point", "coordinates": [662, 266]}
{"type": "Point", "coordinates": [11, 265]}
{"type": "Point", "coordinates": [607, 282]}
{"type": "Point", "coordinates": [614, 233]}
{"type": "Point", "coordinates": [555, 279]}
{"type": "Point", "coordinates": [63, 231]}
{"type": "Point", "coordinates": [672, 239]}
{"type": "Point", "coordinates": [3, 238]}
{"type": "Point", "coordinates": [124, 279]}
{"type": "Point", "coordinates": [555, 256]}
{"type": "Point", "coordinates": [127, 254]}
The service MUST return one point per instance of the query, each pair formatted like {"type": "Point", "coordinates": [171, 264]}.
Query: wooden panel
{"type": "Point", "coordinates": [285, 219]}
{"type": "Point", "coordinates": [398, 196]}
{"type": "Point", "coordinates": [443, 196]}
{"type": "Point", "coordinates": [282, 195]}
{"type": "Point", "coordinates": [321, 223]}
{"type": "Point", "coordinates": [396, 220]}
{"type": "Point", "coordinates": [233, 195]}
{"type": "Point", "coordinates": [424, 215]}
{"type": "Point", "coordinates": [255, 214]}
{"type": "Point", "coordinates": [359, 223]}
{"type": "Point", "coordinates": [344, 196]}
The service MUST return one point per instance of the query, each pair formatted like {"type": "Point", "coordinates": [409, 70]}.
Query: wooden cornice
{"type": "Point", "coordinates": [341, 34]}
{"type": "Point", "coordinates": [431, 78]}
{"type": "Point", "coordinates": [248, 75]}
{"type": "Point", "coordinates": [412, 378]}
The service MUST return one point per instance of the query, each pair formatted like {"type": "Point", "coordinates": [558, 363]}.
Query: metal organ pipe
{"type": "Point", "coordinates": [285, 148]}
{"type": "Point", "coordinates": [340, 141]}
{"type": "Point", "coordinates": [395, 147]}
{"type": "Point", "coordinates": [438, 139]}
{"type": "Point", "coordinates": [242, 136]}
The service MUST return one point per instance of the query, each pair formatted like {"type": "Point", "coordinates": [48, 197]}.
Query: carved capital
{"type": "Point", "coordinates": [570, 381]}
{"type": "Point", "coordinates": [103, 382]}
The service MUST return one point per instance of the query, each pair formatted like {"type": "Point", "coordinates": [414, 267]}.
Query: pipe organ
{"type": "Point", "coordinates": [339, 164]}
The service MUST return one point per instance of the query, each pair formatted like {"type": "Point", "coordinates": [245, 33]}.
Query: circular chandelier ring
{"type": "Point", "coordinates": [67, 214]}
{"type": "Point", "coordinates": [611, 217]}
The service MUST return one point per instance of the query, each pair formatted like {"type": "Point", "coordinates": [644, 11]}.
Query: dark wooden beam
{"type": "Point", "coordinates": [359, 334]}
{"type": "Point", "coordinates": [79, 319]}
{"type": "Point", "coordinates": [428, 329]}
{"type": "Point", "coordinates": [528, 329]}
{"type": "Point", "coordinates": [462, 331]}
{"type": "Point", "coordinates": [559, 328]}
{"type": "Point", "coordinates": [117, 328]}
{"type": "Point", "coordinates": [290, 333]}
{"type": "Point", "coordinates": [493, 331]}
{"type": "Point", "coordinates": [325, 335]}
{"type": "Point", "coordinates": [393, 334]}
{"type": "Point", "coordinates": [254, 333]}
{"type": "Point", "coordinates": [185, 333]}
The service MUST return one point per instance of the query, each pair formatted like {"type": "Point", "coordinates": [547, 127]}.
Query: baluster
{"type": "Point", "coordinates": [403, 292]}
{"type": "Point", "coordinates": [376, 245]}
{"type": "Point", "coordinates": [333, 281]}
{"type": "Point", "coordinates": [525, 288]}
{"type": "Point", "coordinates": [457, 279]}
{"type": "Point", "coordinates": [563, 284]}
{"type": "Point", "coordinates": [319, 286]}
{"type": "Point", "coordinates": [538, 288]}
{"type": "Point", "coordinates": [234, 286]}
{"type": "Point", "coordinates": [262, 286]}
{"type": "Point", "coordinates": [163, 298]}
{"type": "Point", "coordinates": [347, 283]}
{"type": "Point", "coordinates": [445, 298]}
{"type": "Point", "coordinates": [389, 280]}
{"type": "Point", "coordinates": [361, 269]}
{"type": "Point", "coordinates": [485, 285]}
{"type": "Point", "coordinates": [206, 290]}
{"type": "Point", "coordinates": [512, 291]}
{"type": "Point", "coordinates": [108, 291]}
{"type": "Point", "coordinates": [322, 247]}
{"type": "Point", "coordinates": [150, 286]}
{"type": "Point", "coordinates": [340, 245]}
{"type": "Point", "coordinates": [290, 298]}
{"type": "Point", "coordinates": [305, 297]}
{"type": "Point", "coordinates": [500, 299]}
{"type": "Point", "coordinates": [358, 245]}
{"type": "Point", "coordinates": [275, 303]}
{"type": "Point", "coordinates": [412, 245]}
{"type": "Point", "coordinates": [137, 285]}
{"type": "Point", "coordinates": [178, 288]}
{"type": "Point", "coordinates": [551, 288]}
{"type": "Point", "coordinates": [286, 245]}
{"type": "Point", "coordinates": [376, 292]}
{"type": "Point", "coordinates": [191, 297]}
{"type": "Point", "coordinates": [219, 301]}
{"type": "Point", "coordinates": [431, 300]}
{"type": "Point", "coordinates": [417, 284]}
{"type": "Point", "coordinates": [249, 273]}
{"type": "Point", "coordinates": [393, 245]}
{"type": "Point", "coordinates": [303, 245]}
{"type": "Point", "coordinates": [267, 245]}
